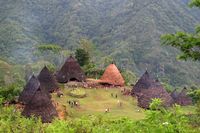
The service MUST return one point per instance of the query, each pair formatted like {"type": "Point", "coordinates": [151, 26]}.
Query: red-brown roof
{"type": "Point", "coordinates": [112, 76]}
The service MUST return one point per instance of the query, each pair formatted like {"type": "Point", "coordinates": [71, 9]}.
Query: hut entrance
{"type": "Point", "coordinates": [74, 79]}
{"type": "Point", "coordinates": [70, 71]}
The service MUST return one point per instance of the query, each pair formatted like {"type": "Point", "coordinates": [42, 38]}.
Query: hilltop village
{"type": "Point", "coordinates": [36, 97]}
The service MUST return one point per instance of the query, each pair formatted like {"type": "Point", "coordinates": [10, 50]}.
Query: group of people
{"type": "Point", "coordinates": [73, 103]}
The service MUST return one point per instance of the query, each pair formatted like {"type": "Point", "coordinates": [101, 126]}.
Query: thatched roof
{"type": "Point", "coordinates": [182, 98]}
{"type": "Point", "coordinates": [29, 90]}
{"type": "Point", "coordinates": [71, 70]}
{"type": "Point", "coordinates": [145, 82]}
{"type": "Point", "coordinates": [112, 76]}
{"type": "Point", "coordinates": [41, 106]}
{"type": "Point", "coordinates": [47, 80]}
{"type": "Point", "coordinates": [146, 96]}
{"type": "Point", "coordinates": [174, 94]}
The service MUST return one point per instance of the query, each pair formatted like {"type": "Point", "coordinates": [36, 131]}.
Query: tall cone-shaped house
{"type": "Point", "coordinates": [39, 103]}
{"type": "Point", "coordinates": [47, 80]}
{"type": "Point", "coordinates": [145, 82]}
{"type": "Point", "coordinates": [146, 89]}
{"type": "Point", "coordinates": [182, 98]}
{"type": "Point", "coordinates": [112, 76]}
{"type": "Point", "coordinates": [29, 90]}
{"type": "Point", "coordinates": [70, 71]}
{"type": "Point", "coordinates": [146, 96]}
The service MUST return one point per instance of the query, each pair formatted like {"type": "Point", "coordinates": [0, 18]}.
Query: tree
{"type": "Point", "coordinates": [52, 53]}
{"type": "Point", "coordinates": [82, 56]}
{"type": "Point", "coordinates": [87, 45]}
{"type": "Point", "coordinates": [48, 52]}
{"type": "Point", "coordinates": [187, 43]}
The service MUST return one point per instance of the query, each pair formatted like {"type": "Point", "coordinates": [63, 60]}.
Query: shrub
{"type": "Point", "coordinates": [78, 93]}
{"type": "Point", "coordinates": [12, 121]}
{"type": "Point", "coordinates": [155, 104]}
{"type": "Point", "coordinates": [10, 92]}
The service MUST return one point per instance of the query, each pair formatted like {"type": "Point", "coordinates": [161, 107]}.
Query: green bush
{"type": "Point", "coordinates": [12, 121]}
{"type": "Point", "coordinates": [195, 94]}
{"type": "Point", "coordinates": [156, 121]}
{"type": "Point", "coordinates": [77, 93]}
{"type": "Point", "coordinates": [9, 93]}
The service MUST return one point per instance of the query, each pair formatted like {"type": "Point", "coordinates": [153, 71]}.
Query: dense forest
{"type": "Point", "coordinates": [127, 31]}
{"type": "Point", "coordinates": [99, 66]}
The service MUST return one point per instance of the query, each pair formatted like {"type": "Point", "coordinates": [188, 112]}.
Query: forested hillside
{"type": "Point", "coordinates": [126, 30]}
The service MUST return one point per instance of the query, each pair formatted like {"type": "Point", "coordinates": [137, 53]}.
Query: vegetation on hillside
{"type": "Point", "coordinates": [127, 31]}
{"type": "Point", "coordinates": [155, 121]}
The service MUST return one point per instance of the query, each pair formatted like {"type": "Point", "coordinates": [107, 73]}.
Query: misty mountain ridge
{"type": "Point", "coordinates": [126, 30]}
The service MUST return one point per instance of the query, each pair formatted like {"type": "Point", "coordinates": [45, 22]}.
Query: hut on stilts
{"type": "Point", "coordinates": [70, 71]}
{"type": "Point", "coordinates": [112, 76]}
{"type": "Point", "coordinates": [47, 80]}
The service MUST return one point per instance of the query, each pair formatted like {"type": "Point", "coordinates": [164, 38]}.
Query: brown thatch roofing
{"type": "Point", "coordinates": [40, 105]}
{"type": "Point", "coordinates": [71, 70]}
{"type": "Point", "coordinates": [145, 82]}
{"type": "Point", "coordinates": [146, 96]}
{"type": "Point", "coordinates": [182, 98]}
{"type": "Point", "coordinates": [174, 94]}
{"type": "Point", "coordinates": [29, 90]}
{"type": "Point", "coordinates": [47, 80]}
{"type": "Point", "coordinates": [112, 76]}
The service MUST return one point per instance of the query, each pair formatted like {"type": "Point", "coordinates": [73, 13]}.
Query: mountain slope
{"type": "Point", "coordinates": [128, 30]}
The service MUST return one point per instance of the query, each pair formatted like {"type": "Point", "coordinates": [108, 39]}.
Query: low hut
{"type": "Point", "coordinates": [40, 105]}
{"type": "Point", "coordinates": [182, 98]}
{"type": "Point", "coordinates": [70, 71]}
{"type": "Point", "coordinates": [47, 80]}
{"type": "Point", "coordinates": [29, 90]}
{"type": "Point", "coordinates": [145, 82]}
{"type": "Point", "coordinates": [146, 96]}
{"type": "Point", "coordinates": [112, 76]}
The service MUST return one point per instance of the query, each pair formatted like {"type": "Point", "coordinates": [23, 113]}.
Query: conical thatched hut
{"type": "Point", "coordinates": [112, 76]}
{"type": "Point", "coordinates": [145, 82]}
{"type": "Point", "coordinates": [70, 71]}
{"type": "Point", "coordinates": [47, 80]}
{"type": "Point", "coordinates": [29, 90]}
{"type": "Point", "coordinates": [146, 96]}
{"type": "Point", "coordinates": [174, 95]}
{"type": "Point", "coordinates": [182, 98]}
{"type": "Point", "coordinates": [40, 105]}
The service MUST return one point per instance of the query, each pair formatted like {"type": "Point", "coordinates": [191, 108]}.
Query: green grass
{"type": "Point", "coordinates": [98, 100]}
{"type": "Point", "coordinates": [188, 109]}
